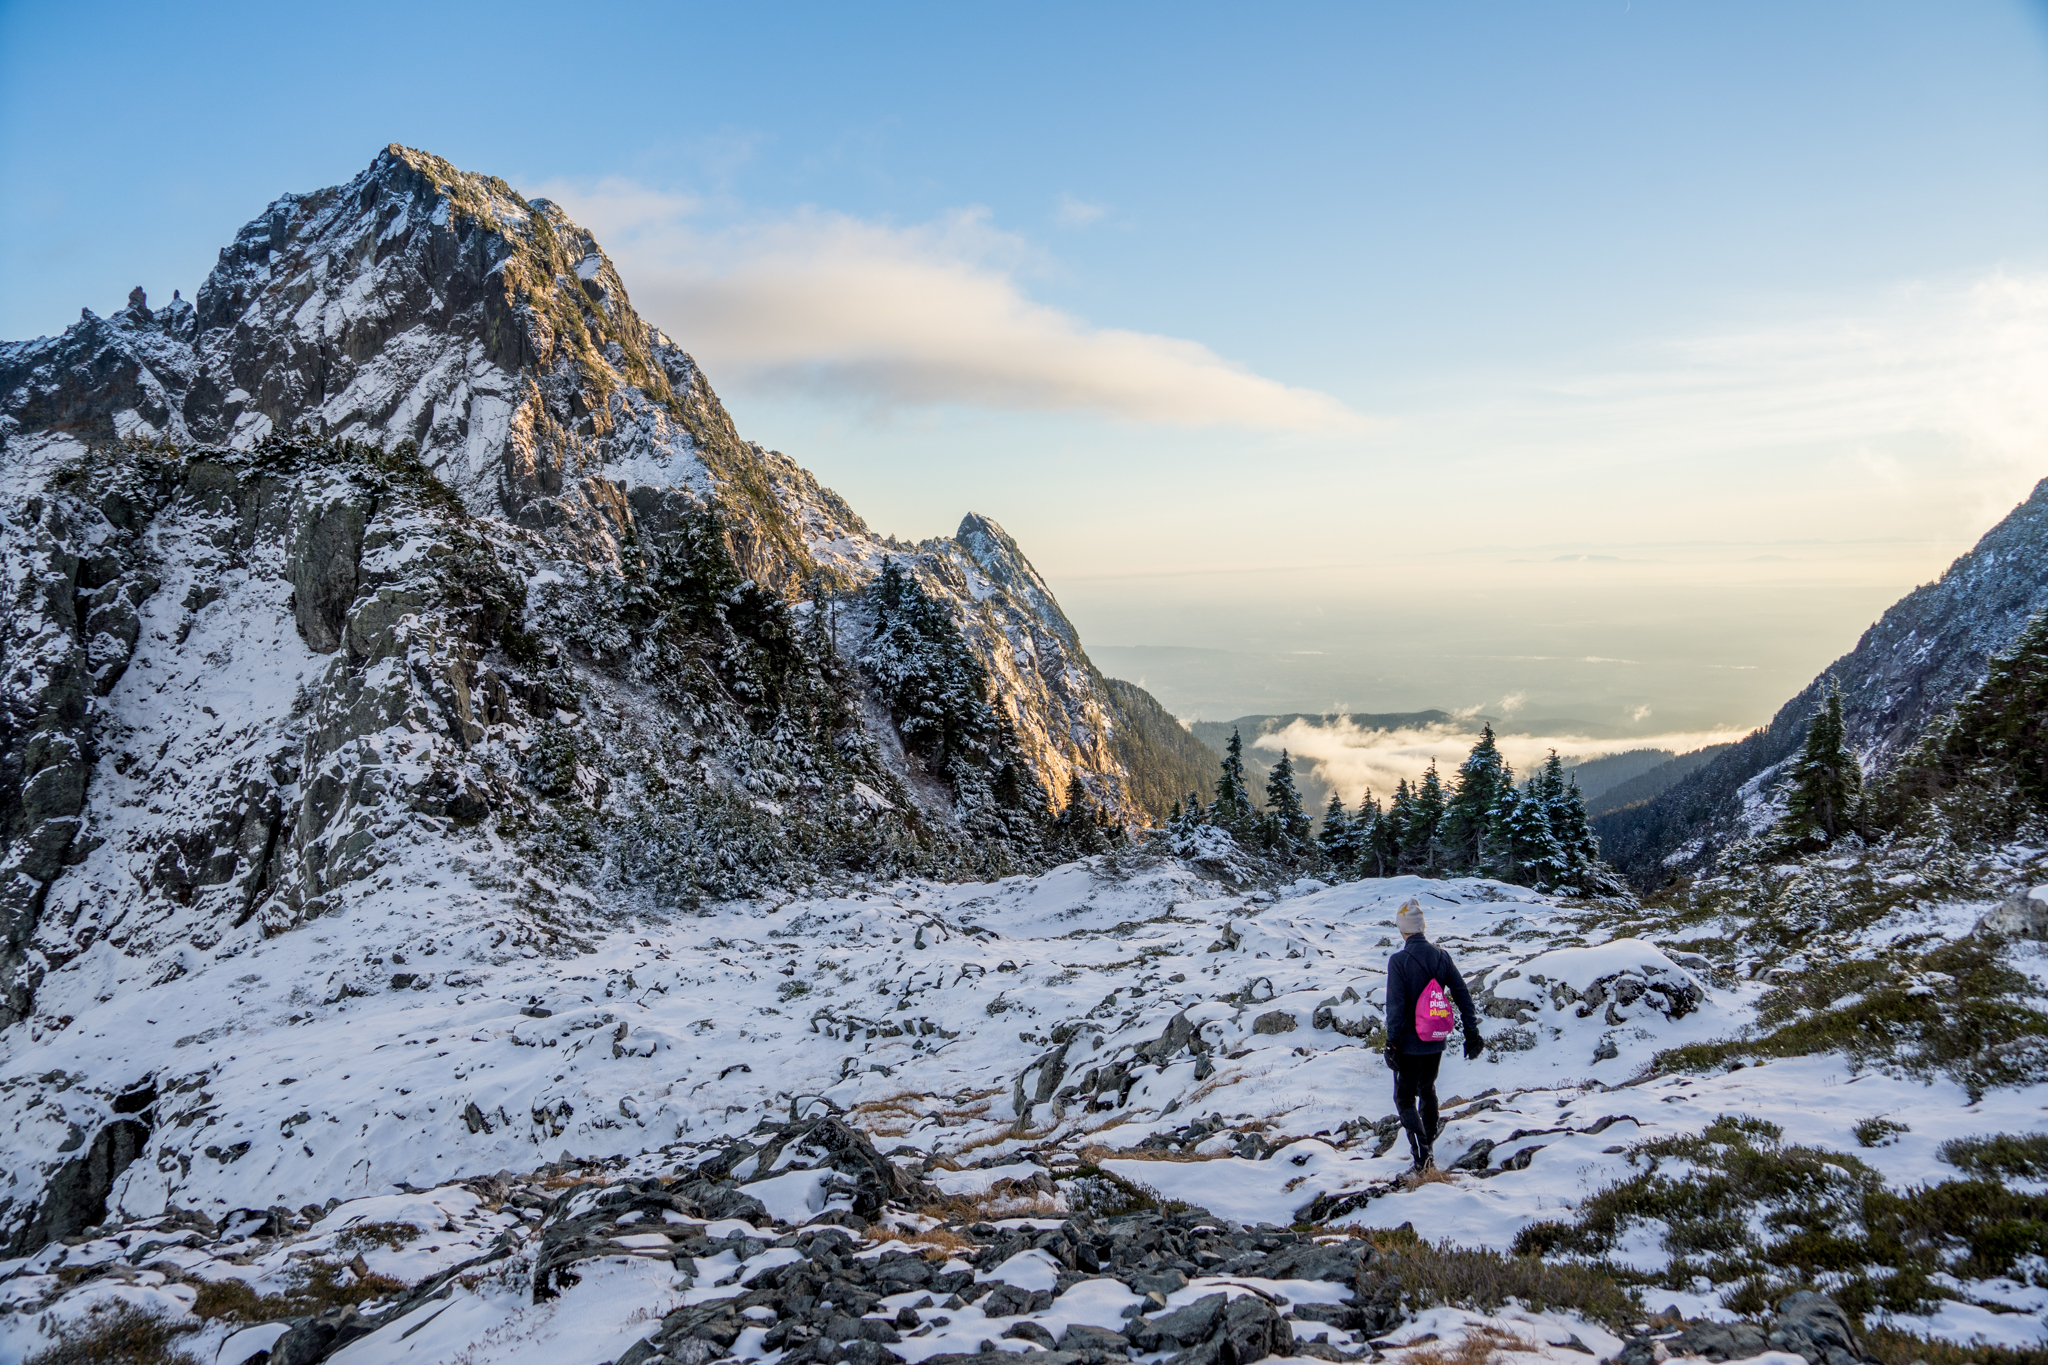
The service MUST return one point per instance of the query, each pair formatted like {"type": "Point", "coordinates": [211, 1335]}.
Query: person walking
{"type": "Point", "coordinates": [1422, 981]}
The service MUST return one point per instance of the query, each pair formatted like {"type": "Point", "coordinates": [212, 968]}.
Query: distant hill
{"type": "Point", "coordinates": [1596, 776]}
{"type": "Point", "coordinates": [1652, 781]}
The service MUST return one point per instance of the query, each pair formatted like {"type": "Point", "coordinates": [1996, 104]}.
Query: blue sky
{"type": "Point", "coordinates": [1303, 333]}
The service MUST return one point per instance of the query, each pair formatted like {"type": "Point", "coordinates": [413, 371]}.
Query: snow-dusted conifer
{"type": "Point", "coordinates": [1361, 838]}
{"type": "Point", "coordinates": [1826, 779]}
{"type": "Point", "coordinates": [1335, 836]}
{"type": "Point", "coordinates": [1289, 823]}
{"type": "Point", "coordinates": [1469, 812]}
{"type": "Point", "coordinates": [1232, 808]}
{"type": "Point", "coordinates": [1422, 849]}
{"type": "Point", "coordinates": [1079, 827]}
{"type": "Point", "coordinates": [1390, 831]}
{"type": "Point", "coordinates": [1521, 848]}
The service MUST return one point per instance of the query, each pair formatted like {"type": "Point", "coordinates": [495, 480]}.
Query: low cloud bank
{"type": "Point", "coordinates": [1349, 757]}
{"type": "Point", "coordinates": [933, 313]}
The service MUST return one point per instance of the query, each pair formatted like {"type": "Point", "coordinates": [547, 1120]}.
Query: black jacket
{"type": "Point", "coordinates": [1408, 971]}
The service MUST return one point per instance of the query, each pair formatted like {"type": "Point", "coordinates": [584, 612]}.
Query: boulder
{"type": "Point", "coordinates": [826, 1141]}
{"type": "Point", "coordinates": [1721, 1340]}
{"type": "Point", "coordinates": [1814, 1327]}
{"type": "Point", "coordinates": [1180, 1328]}
{"type": "Point", "coordinates": [1079, 1337]}
{"type": "Point", "coordinates": [2022, 916]}
{"type": "Point", "coordinates": [1336, 1262]}
{"type": "Point", "coordinates": [1249, 1329]}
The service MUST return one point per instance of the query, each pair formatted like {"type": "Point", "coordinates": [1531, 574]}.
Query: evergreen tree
{"type": "Point", "coordinates": [1335, 836]}
{"type": "Point", "coordinates": [818, 633]}
{"type": "Point", "coordinates": [1079, 827]}
{"type": "Point", "coordinates": [1232, 808]}
{"type": "Point", "coordinates": [1574, 833]}
{"type": "Point", "coordinates": [1361, 838]}
{"type": "Point", "coordinates": [1520, 847]}
{"type": "Point", "coordinates": [1390, 833]}
{"type": "Point", "coordinates": [1286, 819]}
{"type": "Point", "coordinates": [1826, 780]}
{"type": "Point", "coordinates": [1546, 794]}
{"type": "Point", "coordinates": [1422, 848]}
{"type": "Point", "coordinates": [1469, 813]}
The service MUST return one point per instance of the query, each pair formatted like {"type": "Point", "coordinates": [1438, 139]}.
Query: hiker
{"type": "Point", "coordinates": [1418, 1021]}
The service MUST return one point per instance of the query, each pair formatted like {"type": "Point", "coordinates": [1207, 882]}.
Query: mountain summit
{"type": "Point", "coordinates": [409, 529]}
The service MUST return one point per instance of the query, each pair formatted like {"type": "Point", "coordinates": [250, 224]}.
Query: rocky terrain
{"type": "Point", "coordinates": [1115, 1110]}
{"type": "Point", "coordinates": [500, 868]}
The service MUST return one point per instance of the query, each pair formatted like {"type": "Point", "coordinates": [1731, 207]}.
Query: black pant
{"type": "Point", "coordinates": [1415, 1079]}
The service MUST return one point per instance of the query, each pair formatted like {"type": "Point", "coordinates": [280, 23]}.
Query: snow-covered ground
{"type": "Point", "coordinates": [403, 1043]}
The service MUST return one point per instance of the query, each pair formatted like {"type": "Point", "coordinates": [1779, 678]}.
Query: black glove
{"type": "Point", "coordinates": [1474, 1045]}
{"type": "Point", "coordinates": [1392, 1057]}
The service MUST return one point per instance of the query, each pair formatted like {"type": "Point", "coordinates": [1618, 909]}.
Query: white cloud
{"type": "Point", "coordinates": [1073, 212]}
{"type": "Point", "coordinates": [1350, 758]}
{"type": "Point", "coordinates": [913, 316]}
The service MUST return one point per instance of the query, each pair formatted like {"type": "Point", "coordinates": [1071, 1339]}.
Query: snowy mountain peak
{"type": "Point", "coordinates": [456, 537]}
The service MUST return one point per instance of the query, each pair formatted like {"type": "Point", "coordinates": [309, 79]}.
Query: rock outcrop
{"type": "Point", "coordinates": [411, 522]}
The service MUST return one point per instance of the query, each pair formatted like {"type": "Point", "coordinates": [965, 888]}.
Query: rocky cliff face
{"type": "Point", "coordinates": [1929, 649]}
{"type": "Point", "coordinates": [410, 529]}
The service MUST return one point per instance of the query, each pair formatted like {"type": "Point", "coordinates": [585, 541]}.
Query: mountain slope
{"type": "Point", "coordinates": [1919, 658]}
{"type": "Point", "coordinates": [1652, 782]}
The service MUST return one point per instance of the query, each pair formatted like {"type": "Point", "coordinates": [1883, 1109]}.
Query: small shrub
{"type": "Point", "coordinates": [1957, 1011]}
{"type": "Point", "coordinates": [1102, 1195]}
{"type": "Point", "coordinates": [2022, 1156]}
{"type": "Point", "coordinates": [1485, 1280]}
{"type": "Point", "coordinates": [1889, 1347]}
{"type": "Point", "coordinates": [315, 1290]}
{"type": "Point", "coordinates": [1743, 1208]}
{"type": "Point", "coordinates": [1879, 1132]}
{"type": "Point", "coordinates": [121, 1335]}
{"type": "Point", "coordinates": [363, 1236]}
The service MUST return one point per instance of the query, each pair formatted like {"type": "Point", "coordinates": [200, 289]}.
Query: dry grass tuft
{"type": "Point", "coordinates": [121, 1335]}
{"type": "Point", "coordinates": [1094, 1154]}
{"type": "Point", "coordinates": [1479, 1346]}
{"type": "Point", "coordinates": [995, 1137]}
{"type": "Point", "coordinates": [1435, 1175]}
{"type": "Point", "coordinates": [889, 1116]}
{"type": "Point", "coordinates": [937, 1244]}
{"type": "Point", "coordinates": [994, 1204]}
